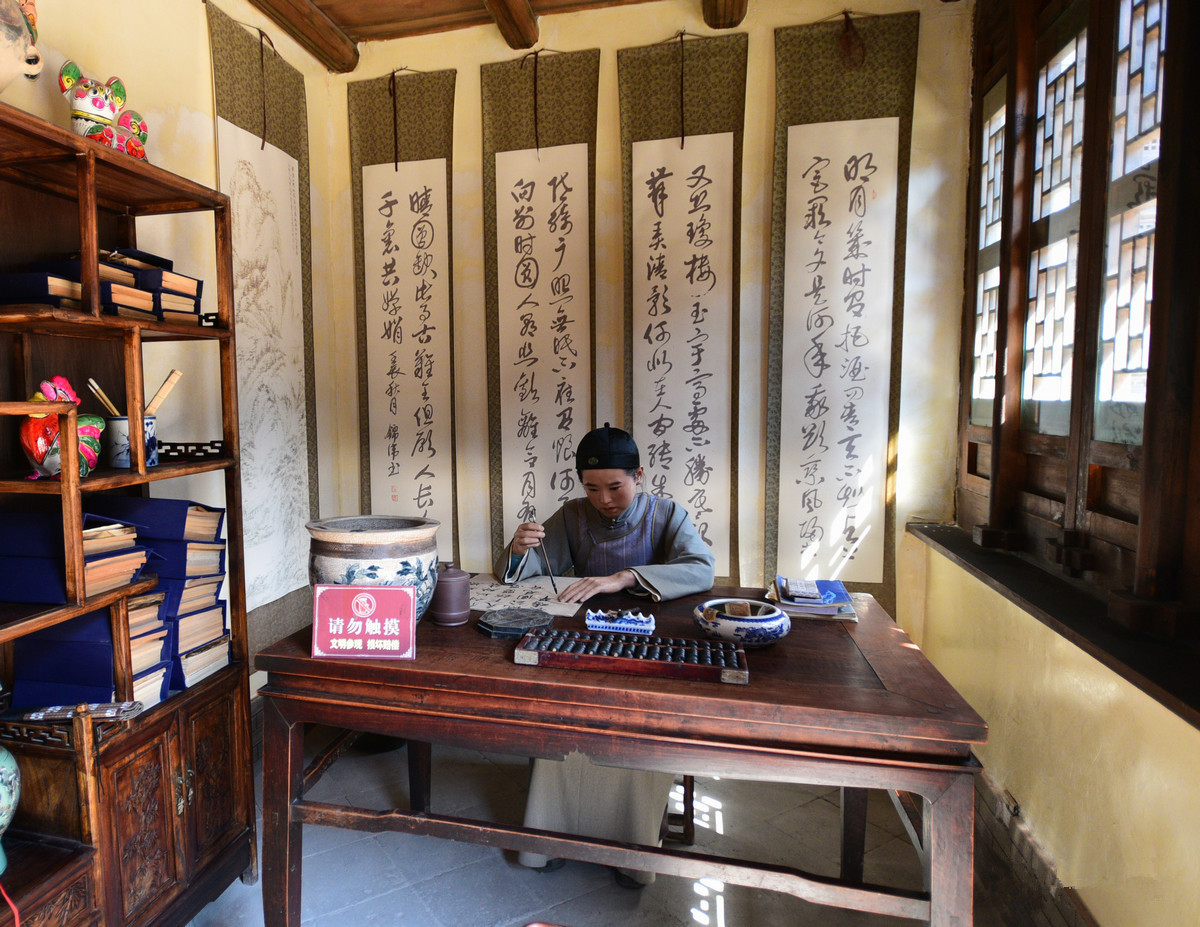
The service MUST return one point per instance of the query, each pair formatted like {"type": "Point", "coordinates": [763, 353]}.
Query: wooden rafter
{"type": "Point", "coordinates": [516, 21]}
{"type": "Point", "coordinates": [308, 25]}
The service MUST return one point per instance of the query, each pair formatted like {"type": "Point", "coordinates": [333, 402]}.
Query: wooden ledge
{"type": "Point", "coordinates": [1164, 670]}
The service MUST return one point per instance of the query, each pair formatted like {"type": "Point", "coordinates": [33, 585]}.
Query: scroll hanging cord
{"type": "Point", "coordinates": [681, 123]}
{"type": "Point", "coordinates": [395, 117]}
{"type": "Point", "coordinates": [263, 41]}
{"type": "Point", "coordinates": [537, 142]}
{"type": "Point", "coordinates": [681, 35]}
{"type": "Point", "coordinates": [850, 42]}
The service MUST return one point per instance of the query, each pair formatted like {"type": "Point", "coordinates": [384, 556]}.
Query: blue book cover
{"type": "Point", "coordinates": [159, 693]}
{"type": "Point", "coordinates": [196, 629]}
{"type": "Point", "coordinates": [79, 650]}
{"type": "Point", "coordinates": [72, 269]}
{"type": "Point", "coordinates": [181, 594]}
{"type": "Point", "coordinates": [38, 287]}
{"type": "Point", "coordinates": [37, 693]}
{"type": "Point", "coordinates": [189, 668]}
{"type": "Point", "coordinates": [37, 580]}
{"type": "Point", "coordinates": [158, 518]}
{"type": "Point", "coordinates": [31, 534]}
{"type": "Point", "coordinates": [132, 257]}
{"type": "Point", "coordinates": [187, 559]}
{"type": "Point", "coordinates": [159, 278]}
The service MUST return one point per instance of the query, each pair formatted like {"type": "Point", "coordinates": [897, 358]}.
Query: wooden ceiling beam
{"type": "Point", "coordinates": [305, 22]}
{"type": "Point", "coordinates": [516, 21]}
{"type": "Point", "coordinates": [724, 14]}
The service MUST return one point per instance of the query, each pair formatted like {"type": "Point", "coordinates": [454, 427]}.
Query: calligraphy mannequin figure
{"type": "Point", "coordinates": [617, 538]}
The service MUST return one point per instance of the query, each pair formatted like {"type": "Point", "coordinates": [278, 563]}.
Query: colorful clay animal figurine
{"type": "Point", "coordinates": [39, 432]}
{"type": "Point", "coordinates": [98, 111]}
{"type": "Point", "coordinates": [18, 38]}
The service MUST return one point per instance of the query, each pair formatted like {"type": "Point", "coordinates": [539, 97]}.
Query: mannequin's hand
{"type": "Point", "coordinates": [526, 536]}
{"type": "Point", "coordinates": [583, 589]}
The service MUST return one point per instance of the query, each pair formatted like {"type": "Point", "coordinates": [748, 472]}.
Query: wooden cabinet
{"type": "Point", "coordinates": [144, 821]}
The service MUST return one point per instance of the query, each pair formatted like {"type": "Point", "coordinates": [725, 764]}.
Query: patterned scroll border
{"type": "Point", "coordinates": [567, 94]}
{"type": "Point", "coordinates": [417, 124]}
{"type": "Point", "coordinates": [813, 83]}
{"type": "Point", "coordinates": [713, 101]}
{"type": "Point", "coordinates": [243, 72]}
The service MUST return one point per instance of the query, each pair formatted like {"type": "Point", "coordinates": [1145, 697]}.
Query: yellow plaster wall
{"type": "Point", "coordinates": [1106, 777]}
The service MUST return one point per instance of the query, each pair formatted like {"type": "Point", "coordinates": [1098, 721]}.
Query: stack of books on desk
{"type": "Point", "coordinates": [189, 558]}
{"type": "Point", "coordinates": [820, 598]}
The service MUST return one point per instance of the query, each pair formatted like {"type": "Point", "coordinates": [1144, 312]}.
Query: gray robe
{"type": "Point", "coordinates": [681, 562]}
{"type": "Point", "coordinates": [575, 795]}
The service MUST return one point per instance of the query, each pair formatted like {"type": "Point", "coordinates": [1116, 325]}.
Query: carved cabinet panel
{"type": "Point", "coordinates": [215, 813]}
{"type": "Point", "coordinates": [137, 790]}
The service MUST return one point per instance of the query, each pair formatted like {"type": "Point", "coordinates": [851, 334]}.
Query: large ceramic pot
{"type": "Point", "coordinates": [10, 792]}
{"type": "Point", "coordinates": [375, 550]}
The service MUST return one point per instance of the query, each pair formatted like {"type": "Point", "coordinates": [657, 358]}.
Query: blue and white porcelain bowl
{"type": "Point", "coordinates": [764, 625]}
{"type": "Point", "coordinates": [375, 550]}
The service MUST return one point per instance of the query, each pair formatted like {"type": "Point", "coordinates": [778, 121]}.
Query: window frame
{"type": "Point", "coordinates": [1079, 508]}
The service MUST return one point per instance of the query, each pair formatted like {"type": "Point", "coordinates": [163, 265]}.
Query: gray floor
{"type": "Point", "coordinates": [353, 878]}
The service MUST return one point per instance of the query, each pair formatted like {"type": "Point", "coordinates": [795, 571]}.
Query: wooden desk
{"type": "Point", "coordinates": [853, 705]}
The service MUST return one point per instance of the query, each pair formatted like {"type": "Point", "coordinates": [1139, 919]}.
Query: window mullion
{"type": "Point", "coordinates": [1008, 461]}
{"type": "Point", "coordinates": [1089, 281]}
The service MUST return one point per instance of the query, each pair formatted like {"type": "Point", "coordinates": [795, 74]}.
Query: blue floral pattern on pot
{"type": "Point", "coordinates": [10, 793]}
{"type": "Point", "coordinates": [761, 625]}
{"type": "Point", "coordinates": [375, 550]}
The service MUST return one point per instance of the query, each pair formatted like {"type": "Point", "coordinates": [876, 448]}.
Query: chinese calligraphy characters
{"type": "Point", "coordinates": [406, 256]}
{"type": "Point", "coordinates": [682, 326]}
{"type": "Point", "coordinates": [837, 348]}
{"type": "Point", "coordinates": [544, 284]}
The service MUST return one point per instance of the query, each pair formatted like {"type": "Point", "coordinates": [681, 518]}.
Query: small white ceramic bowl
{"type": "Point", "coordinates": [764, 625]}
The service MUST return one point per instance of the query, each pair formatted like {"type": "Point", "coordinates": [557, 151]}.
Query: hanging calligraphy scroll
{"type": "Point", "coordinates": [542, 257]}
{"type": "Point", "coordinates": [682, 324]}
{"type": "Point", "coordinates": [837, 335]}
{"type": "Point", "coordinates": [682, 114]}
{"type": "Point", "coordinates": [401, 142]}
{"type": "Point", "coordinates": [836, 72]}
{"type": "Point", "coordinates": [262, 154]}
{"type": "Point", "coordinates": [539, 133]}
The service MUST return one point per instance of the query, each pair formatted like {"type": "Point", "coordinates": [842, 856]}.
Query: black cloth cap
{"type": "Point", "coordinates": [607, 448]}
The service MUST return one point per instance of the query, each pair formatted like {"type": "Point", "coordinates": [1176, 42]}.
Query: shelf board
{"type": "Point", "coordinates": [51, 320]}
{"type": "Point", "coordinates": [109, 478]}
{"type": "Point", "coordinates": [20, 618]}
{"type": "Point", "coordinates": [36, 154]}
{"type": "Point", "coordinates": [38, 866]}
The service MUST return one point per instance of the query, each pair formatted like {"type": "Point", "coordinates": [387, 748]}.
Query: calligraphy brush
{"type": "Point", "coordinates": [549, 569]}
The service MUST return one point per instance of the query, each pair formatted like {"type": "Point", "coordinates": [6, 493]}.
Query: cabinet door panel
{"type": "Point", "coordinates": [209, 749]}
{"type": "Point", "coordinates": [137, 792]}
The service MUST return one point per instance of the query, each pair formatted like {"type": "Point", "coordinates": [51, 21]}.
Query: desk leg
{"type": "Point", "coordinates": [420, 774]}
{"type": "Point", "coordinates": [952, 854]}
{"type": "Point", "coordinates": [854, 832]}
{"type": "Point", "coordinates": [283, 777]}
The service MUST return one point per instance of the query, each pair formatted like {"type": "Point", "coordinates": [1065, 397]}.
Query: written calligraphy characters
{"type": "Point", "coordinates": [837, 335]}
{"type": "Point", "coordinates": [406, 255]}
{"type": "Point", "coordinates": [682, 326]}
{"type": "Point", "coordinates": [544, 283]}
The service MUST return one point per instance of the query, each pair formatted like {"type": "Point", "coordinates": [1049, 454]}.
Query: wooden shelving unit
{"type": "Point", "coordinates": [175, 781]}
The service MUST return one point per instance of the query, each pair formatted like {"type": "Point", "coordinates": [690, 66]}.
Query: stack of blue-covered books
{"type": "Point", "coordinates": [72, 662]}
{"type": "Point", "coordinates": [189, 558]}
{"type": "Point", "coordinates": [33, 562]}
